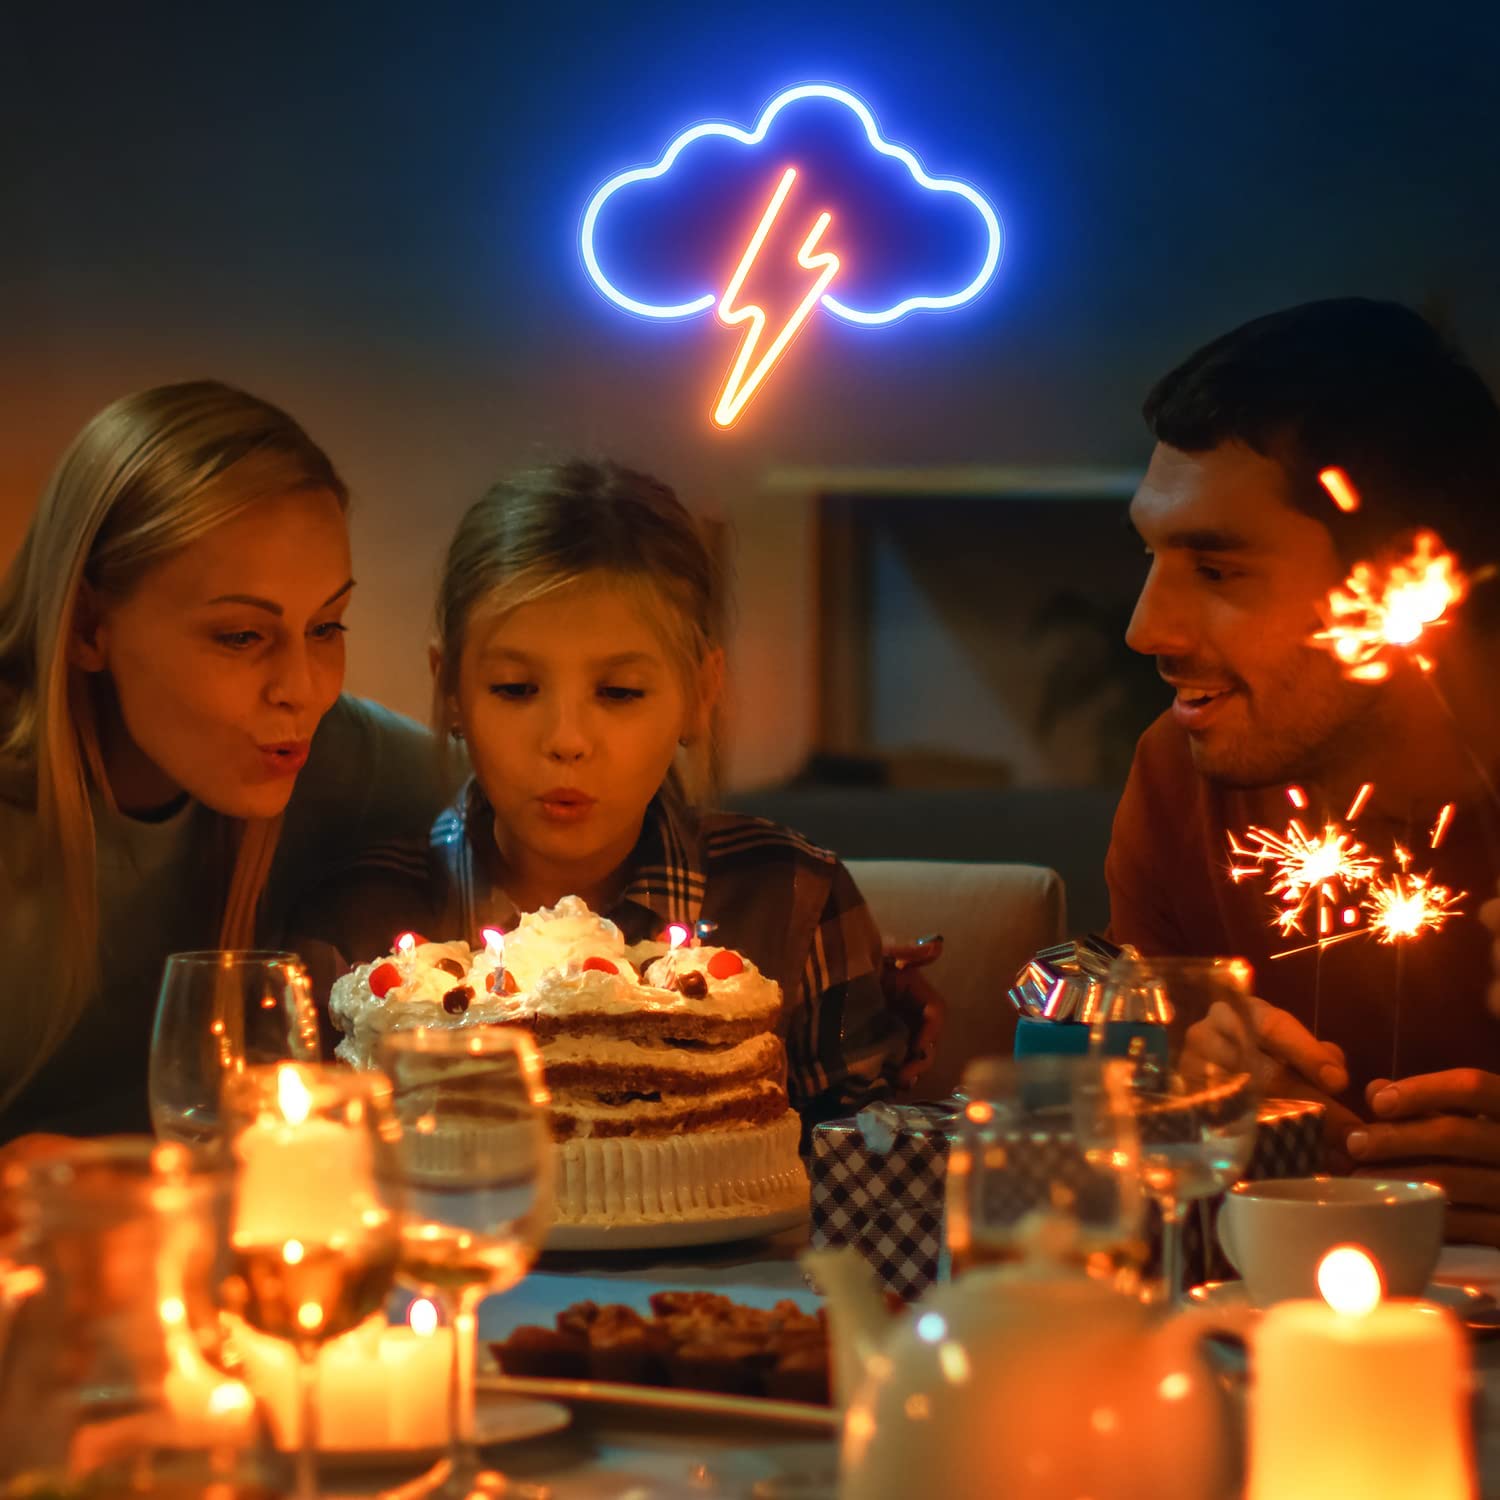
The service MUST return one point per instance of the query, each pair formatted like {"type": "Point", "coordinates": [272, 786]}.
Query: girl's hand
{"type": "Point", "coordinates": [912, 997]}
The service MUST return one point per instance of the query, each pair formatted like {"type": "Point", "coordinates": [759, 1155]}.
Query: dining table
{"type": "Point", "coordinates": [619, 1451]}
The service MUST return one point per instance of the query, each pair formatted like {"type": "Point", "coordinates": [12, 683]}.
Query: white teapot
{"type": "Point", "coordinates": [1026, 1385]}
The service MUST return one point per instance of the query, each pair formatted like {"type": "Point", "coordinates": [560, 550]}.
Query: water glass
{"type": "Point", "coordinates": [314, 1227]}
{"type": "Point", "coordinates": [1195, 1098]}
{"type": "Point", "coordinates": [476, 1164]}
{"type": "Point", "coordinates": [1045, 1168]}
{"type": "Point", "coordinates": [219, 1013]}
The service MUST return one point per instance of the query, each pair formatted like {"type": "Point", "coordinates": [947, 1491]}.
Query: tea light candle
{"type": "Point", "coordinates": [1358, 1396]}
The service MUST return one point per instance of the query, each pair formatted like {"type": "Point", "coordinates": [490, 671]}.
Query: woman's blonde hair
{"type": "Point", "coordinates": [548, 528]}
{"type": "Point", "coordinates": [147, 476]}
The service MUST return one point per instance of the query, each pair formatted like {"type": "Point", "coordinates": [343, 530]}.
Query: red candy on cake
{"type": "Point", "coordinates": [601, 965]}
{"type": "Point", "coordinates": [384, 978]}
{"type": "Point", "coordinates": [726, 964]}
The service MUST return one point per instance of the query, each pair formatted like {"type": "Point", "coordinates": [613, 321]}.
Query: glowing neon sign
{"type": "Point", "coordinates": [752, 313]}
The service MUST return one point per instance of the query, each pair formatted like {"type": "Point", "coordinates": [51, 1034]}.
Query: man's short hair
{"type": "Point", "coordinates": [1367, 387]}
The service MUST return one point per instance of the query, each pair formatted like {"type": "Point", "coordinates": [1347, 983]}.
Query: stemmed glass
{"type": "Point", "coordinates": [315, 1224]}
{"type": "Point", "coordinates": [1046, 1166]}
{"type": "Point", "coordinates": [476, 1161]}
{"type": "Point", "coordinates": [218, 1013]}
{"type": "Point", "coordinates": [1192, 1056]}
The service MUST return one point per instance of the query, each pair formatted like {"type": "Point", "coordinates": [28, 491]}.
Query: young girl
{"type": "Point", "coordinates": [177, 768]}
{"type": "Point", "coordinates": [578, 657]}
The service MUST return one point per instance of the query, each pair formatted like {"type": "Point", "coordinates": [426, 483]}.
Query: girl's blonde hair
{"type": "Point", "coordinates": [146, 477]}
{"type": "Point", "coordinates": [548, 528]}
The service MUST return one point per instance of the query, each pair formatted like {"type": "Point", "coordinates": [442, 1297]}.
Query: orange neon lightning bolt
{"type": "Point", "coordinates": [743, 381]}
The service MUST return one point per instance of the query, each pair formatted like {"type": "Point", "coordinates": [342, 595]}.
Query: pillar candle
{"type": "Point", "coordinates": [378, 1387]}
{"type": "Point", "coordinates": [1372, 1404]}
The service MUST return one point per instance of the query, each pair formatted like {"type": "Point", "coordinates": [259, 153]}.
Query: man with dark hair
{"type": "Point", "coordinates": [1245, 542]}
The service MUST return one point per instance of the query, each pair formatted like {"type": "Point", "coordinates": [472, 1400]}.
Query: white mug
{"type": "Point", "coordinates": [1276, 1232]}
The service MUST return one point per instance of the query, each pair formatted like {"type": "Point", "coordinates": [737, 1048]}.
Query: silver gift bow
{"type": "Point", "coordinates": [1066, 982]}
{"type": "Point", "coordinates": [882, 1123]}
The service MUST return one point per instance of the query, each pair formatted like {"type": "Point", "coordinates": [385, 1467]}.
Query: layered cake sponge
{"type": "Point", "coordinates": [667, 1076]}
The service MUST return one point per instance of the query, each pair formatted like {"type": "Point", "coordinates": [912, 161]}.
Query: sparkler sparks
{"type": "Point", "coordinates": [1305, 868]}
{"type": "Point", "coordinates": [1405, 905]}
{"type": "Point", "coordinates": [1316, 872]}
{"type": "Point", "coordinates": [1382, 611]}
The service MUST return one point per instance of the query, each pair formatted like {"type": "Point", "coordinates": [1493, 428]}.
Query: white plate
{"type": "Point", "coordinates": [499, 1417]}
{"type": "Point", "coordinates": [670, 1233]}
{"type": "Point", "coordinates": [705, 1404]}
{"type": "Point", "coordinates": [1233, 1294]}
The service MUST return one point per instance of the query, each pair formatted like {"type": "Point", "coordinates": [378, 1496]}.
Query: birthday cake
{"type": "Point", "coordinates": [666, 1073]}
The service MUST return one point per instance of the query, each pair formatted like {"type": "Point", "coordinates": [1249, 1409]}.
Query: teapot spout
{"type": "Point", "coordinates": [858, 1320]}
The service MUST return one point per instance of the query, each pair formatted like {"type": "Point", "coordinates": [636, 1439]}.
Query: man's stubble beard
{"type": "Point", "coordinates": [1352, 719]}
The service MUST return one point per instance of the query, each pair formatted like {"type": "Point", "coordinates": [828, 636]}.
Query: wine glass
{"type": "Point", "coordinates": [1192, 1057]}
{"type": "Point", "coordinates": [218, 1013]}
{"type": "Point", "coordinates": [315, 1223]}
{"type": "Point", "coordinates": [1046, 1165]}
{"type": "Point", "coordinates": [476, 1161]}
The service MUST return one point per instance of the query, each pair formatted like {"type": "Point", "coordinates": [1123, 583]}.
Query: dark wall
{"type": "Point", "coordinates": [369, 213]}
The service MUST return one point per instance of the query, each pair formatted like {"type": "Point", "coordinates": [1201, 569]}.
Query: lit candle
{"type": "Point", "coordinates": [677, 935]}
{"type": "Point", "coordinates": [379, 1387]}
{"type": "Point", "coordinates": [1358, 1396]}
{"type": "Point", "coordinates": [286, 1168]}
{"type": "Point", "coordinates": [416, 1360]}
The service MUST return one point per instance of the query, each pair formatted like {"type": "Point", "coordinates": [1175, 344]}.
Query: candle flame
{"type": "Point", "coordinates": [494, 942]}
{"type": "Point", "coordinates": [292, 1096]}
{"type": "Point", "coordinates": [677, 934]}
{"type": "Point", "coordinates": [406, 942]}
{"type": "Point", "coordinates": [1349, 1281]}
{"type": "Point", "coordinates": [423, 1317]}
{"type": "Point", "coordinates": [1382, 610]}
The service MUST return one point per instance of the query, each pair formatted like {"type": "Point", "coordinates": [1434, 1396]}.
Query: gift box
{"type": "Point", "coordinates": [878, 1182]}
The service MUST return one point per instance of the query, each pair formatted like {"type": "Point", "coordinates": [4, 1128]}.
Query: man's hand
{"type": "Point", "coordinates": [1489, 914]}
{"type": "Point", "coordinates": [1291, 1063]}
{"type": "Point", "coordinates": [1442, 1128]}
{"type": "Point", "coordinates": [912, 997]}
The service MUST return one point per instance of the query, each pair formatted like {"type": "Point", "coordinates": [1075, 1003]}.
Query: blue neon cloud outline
{"type": "Point", "coordinates": [753, 138]}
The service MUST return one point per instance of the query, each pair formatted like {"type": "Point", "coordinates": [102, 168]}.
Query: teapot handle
{"type": "Point", "coordinates": [1184, 1330]}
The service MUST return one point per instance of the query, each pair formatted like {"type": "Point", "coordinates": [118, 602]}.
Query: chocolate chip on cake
{"type": "Point", "coordinates": [450, 966]}
{"type": "Point", "coordinates": [456, 1001]}
{"type": "Point", "coordinates": [692, 984]}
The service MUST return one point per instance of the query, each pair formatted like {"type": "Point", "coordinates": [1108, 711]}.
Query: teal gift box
{"type": "Point", "coordinates": [1039, 1038]}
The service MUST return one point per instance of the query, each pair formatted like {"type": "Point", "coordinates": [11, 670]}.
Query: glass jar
{"type": "Point", "coordinates": [1044, 1171]}
{"type": "Point", "coordinates": [110, 1328]}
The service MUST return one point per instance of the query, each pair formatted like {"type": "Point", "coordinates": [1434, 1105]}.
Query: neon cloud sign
{"type": "Point", "coordinates": [769, 324]}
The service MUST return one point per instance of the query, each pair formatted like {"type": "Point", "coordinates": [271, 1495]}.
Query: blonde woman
{"type": "Point", "coordinates": [177, 767]}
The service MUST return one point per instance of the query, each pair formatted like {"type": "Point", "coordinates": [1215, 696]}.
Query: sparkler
{"type": "Point", "coordinates": [1316, 871]}
{"type": "Point", "coordinates": [1384, 611]}
{"type": "Point", "coordinates": [1305, 868]}
{"type": "Point", "coordinates": [1404, 905]}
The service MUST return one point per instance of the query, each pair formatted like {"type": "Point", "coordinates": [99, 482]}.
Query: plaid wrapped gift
{"type": "Point", "coordinates": [878, 1182]}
